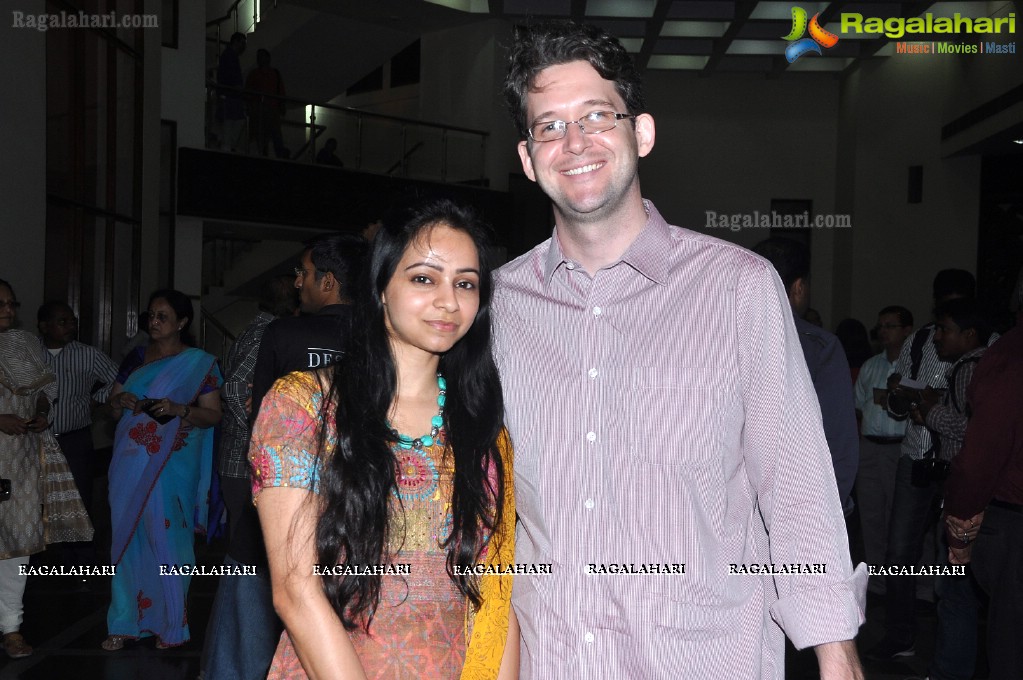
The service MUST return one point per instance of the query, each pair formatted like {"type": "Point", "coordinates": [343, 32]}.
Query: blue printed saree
{"type": "Point", "coordinates": [159, 495]}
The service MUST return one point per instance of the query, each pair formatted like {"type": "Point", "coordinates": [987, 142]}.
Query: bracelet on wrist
{"type": "Point", "coordinates": [186, 412]}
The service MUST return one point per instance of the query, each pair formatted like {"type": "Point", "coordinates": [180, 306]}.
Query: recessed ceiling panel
{"type": "Point", "coordinates": [632, 45]}
{"type": "Point", "coordinates": [694, 29]}
{"type": "Point", "coordinates": [756, 47]}
{"type": "Point", "coordinates": [620, 8]}
{"type": "Point", "coordinates": [677, 62]}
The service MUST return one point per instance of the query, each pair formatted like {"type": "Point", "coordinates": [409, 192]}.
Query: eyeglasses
{"type": "Point", "coordinates": [13, 304]}
{"type": "Point", "coordinates": [162, 317]}
{"type": "Point", "coordinates": [301, 271]}
{"type": "Point", "coordinates": [592, 123]}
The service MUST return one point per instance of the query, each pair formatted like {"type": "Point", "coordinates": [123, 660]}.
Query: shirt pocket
{"type": "Point", "coordinates": [675, 414]}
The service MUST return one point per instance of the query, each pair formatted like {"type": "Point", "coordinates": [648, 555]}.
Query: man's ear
{"type": "Point", "coordinates": [645, 133]}
{"type": "Point", "coordinates": [527, 162]}
{"type": "Point", "coordinates": [797, 292]}
{"type": "Point", "coordinates": [328, 282]}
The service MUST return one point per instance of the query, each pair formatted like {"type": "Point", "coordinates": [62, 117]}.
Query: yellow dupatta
{"type": "Point", "coordinates": [485, 648]}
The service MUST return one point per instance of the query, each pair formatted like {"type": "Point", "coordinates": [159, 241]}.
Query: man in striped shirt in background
{"type": "Point", "coordinates": [661, 412]}
{"type": "Point", "coordinates": [84, 378]}
{"type": "Point", "coordinates": [881, 437]}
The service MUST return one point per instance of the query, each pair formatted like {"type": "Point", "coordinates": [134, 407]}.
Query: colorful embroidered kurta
{"type": "Point", "coordinates": [419, 630]}
{"type": "Point", "coordinates": [159, 488]}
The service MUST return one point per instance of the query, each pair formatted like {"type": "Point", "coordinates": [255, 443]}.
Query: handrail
{"type": "Point", "coordinates": [207, 317]}
{"type": "Point", "coordinates": [212, 84]}
{"type": "Point", "coordinates": [401, 161]}
{"type": "Point", "coordinates": [233, 8]}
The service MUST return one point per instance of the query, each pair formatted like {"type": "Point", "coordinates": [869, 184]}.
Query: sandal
{"type": "Point", "coordinates": [15, 646]}
{"type": "Point", "coordinates": [114, 642]}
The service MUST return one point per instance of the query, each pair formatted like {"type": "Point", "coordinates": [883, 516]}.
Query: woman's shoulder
{"type": "Point", "coordinates": [303, 387]}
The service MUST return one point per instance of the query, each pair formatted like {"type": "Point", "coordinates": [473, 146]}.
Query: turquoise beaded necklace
{"type": "Point", "coordinates": [437, 422]}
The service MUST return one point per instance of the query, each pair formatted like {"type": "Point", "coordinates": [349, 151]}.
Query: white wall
{"type": "Point", "coordinates": [183, 97]}
{"type": "Point", "coordinates": [896, 109]}
{"type": "Point", "coordinates": [733, 142]}
{"type": "Point", "coordinates": [23, 170]}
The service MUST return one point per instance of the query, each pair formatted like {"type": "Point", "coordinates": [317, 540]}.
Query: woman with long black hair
{"type": "Point", "coordinates": [341, 491]}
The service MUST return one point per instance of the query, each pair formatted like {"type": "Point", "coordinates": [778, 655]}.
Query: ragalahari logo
{"type": "Point", "coordinates": [800, 45]}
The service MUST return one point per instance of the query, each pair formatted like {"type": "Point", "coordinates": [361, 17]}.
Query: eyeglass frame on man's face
{"type": "Point", "coordinates": [13, 304]}
{"type": "Point", "coordinates": [565, 123]}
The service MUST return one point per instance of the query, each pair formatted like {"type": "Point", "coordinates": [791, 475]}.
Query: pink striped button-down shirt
{"type": "Point", "coordinates": [662, 413]}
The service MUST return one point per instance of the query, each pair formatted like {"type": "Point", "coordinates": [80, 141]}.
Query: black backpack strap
{"type": "Point", "coordinates": [952, 381]}
{"type": "Point", "coordinates": [916, 350]}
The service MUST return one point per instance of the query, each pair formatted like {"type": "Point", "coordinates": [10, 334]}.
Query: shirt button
{"type": "Point", "coordinates": [596, 311]}
{"type": "Point", "coordinates": [570, 265]}
{"type": "Point", "coordinates": [589, 638]}
{"type": "Point", "coordinates": [593, 373]}
{"type": "Point", "coordinates": [588, 504]}
{"type": "Point", "coordinates": [591, 436]}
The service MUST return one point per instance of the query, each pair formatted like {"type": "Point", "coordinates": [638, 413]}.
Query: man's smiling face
{"type": "Point", "coordinates": [587, 175]}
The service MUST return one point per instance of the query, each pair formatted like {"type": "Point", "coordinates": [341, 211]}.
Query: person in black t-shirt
{"type": "Point", "coordinates": [316, 338]}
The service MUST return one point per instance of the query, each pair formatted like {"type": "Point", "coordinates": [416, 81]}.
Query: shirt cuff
{"type": "Point", "coordinates": [829, 614]}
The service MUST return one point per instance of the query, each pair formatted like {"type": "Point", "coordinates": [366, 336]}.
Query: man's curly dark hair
{"type": "Point", "coordinates": [549, 43]}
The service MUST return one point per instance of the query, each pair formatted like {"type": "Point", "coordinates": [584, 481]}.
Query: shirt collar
{"type": "Point", "coordinates": [969, 355]}
{"type": "Point", "coordinates": [647, 254]}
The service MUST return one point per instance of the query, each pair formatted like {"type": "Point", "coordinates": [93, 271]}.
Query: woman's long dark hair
{"type": "Point", "coordinates": [358, 479]}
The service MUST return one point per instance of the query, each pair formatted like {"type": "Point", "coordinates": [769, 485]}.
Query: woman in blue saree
{"type": "Point", "coordinates": [168, 398]}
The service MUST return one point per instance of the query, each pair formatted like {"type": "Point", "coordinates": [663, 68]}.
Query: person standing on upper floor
{"type": "Point", "coordinates": [266, 87]}
{"type": "Point", "coordinates": [881, 437]}
{"type": "Point", "coordinates": [826, 360]}
{"type": "Point", "coordinates": [85, 376]}
{"type": "Point", "coordinates": [317, 338]}
{"type": "Point", "coordinates": [231, 109]}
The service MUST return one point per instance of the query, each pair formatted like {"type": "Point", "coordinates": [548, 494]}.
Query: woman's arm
{"type": "Point", "coordinates": [288, 517]}
{"type": "Point", "coordinates": [41, 420]}
{"type": "Point", "coordinates": [120, 400]}
{"type": "Point", "coordinates": [205, 412]}
{"type": "Point", "coordinates": [510, 660]}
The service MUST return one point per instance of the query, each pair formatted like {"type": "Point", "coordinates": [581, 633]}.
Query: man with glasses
{"type": "Point", "coordinates": [661, 411]}
{"type": "Point", "coordinates": [880, 437]}
{"type": "Point", "coordinates": [84, 378]}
